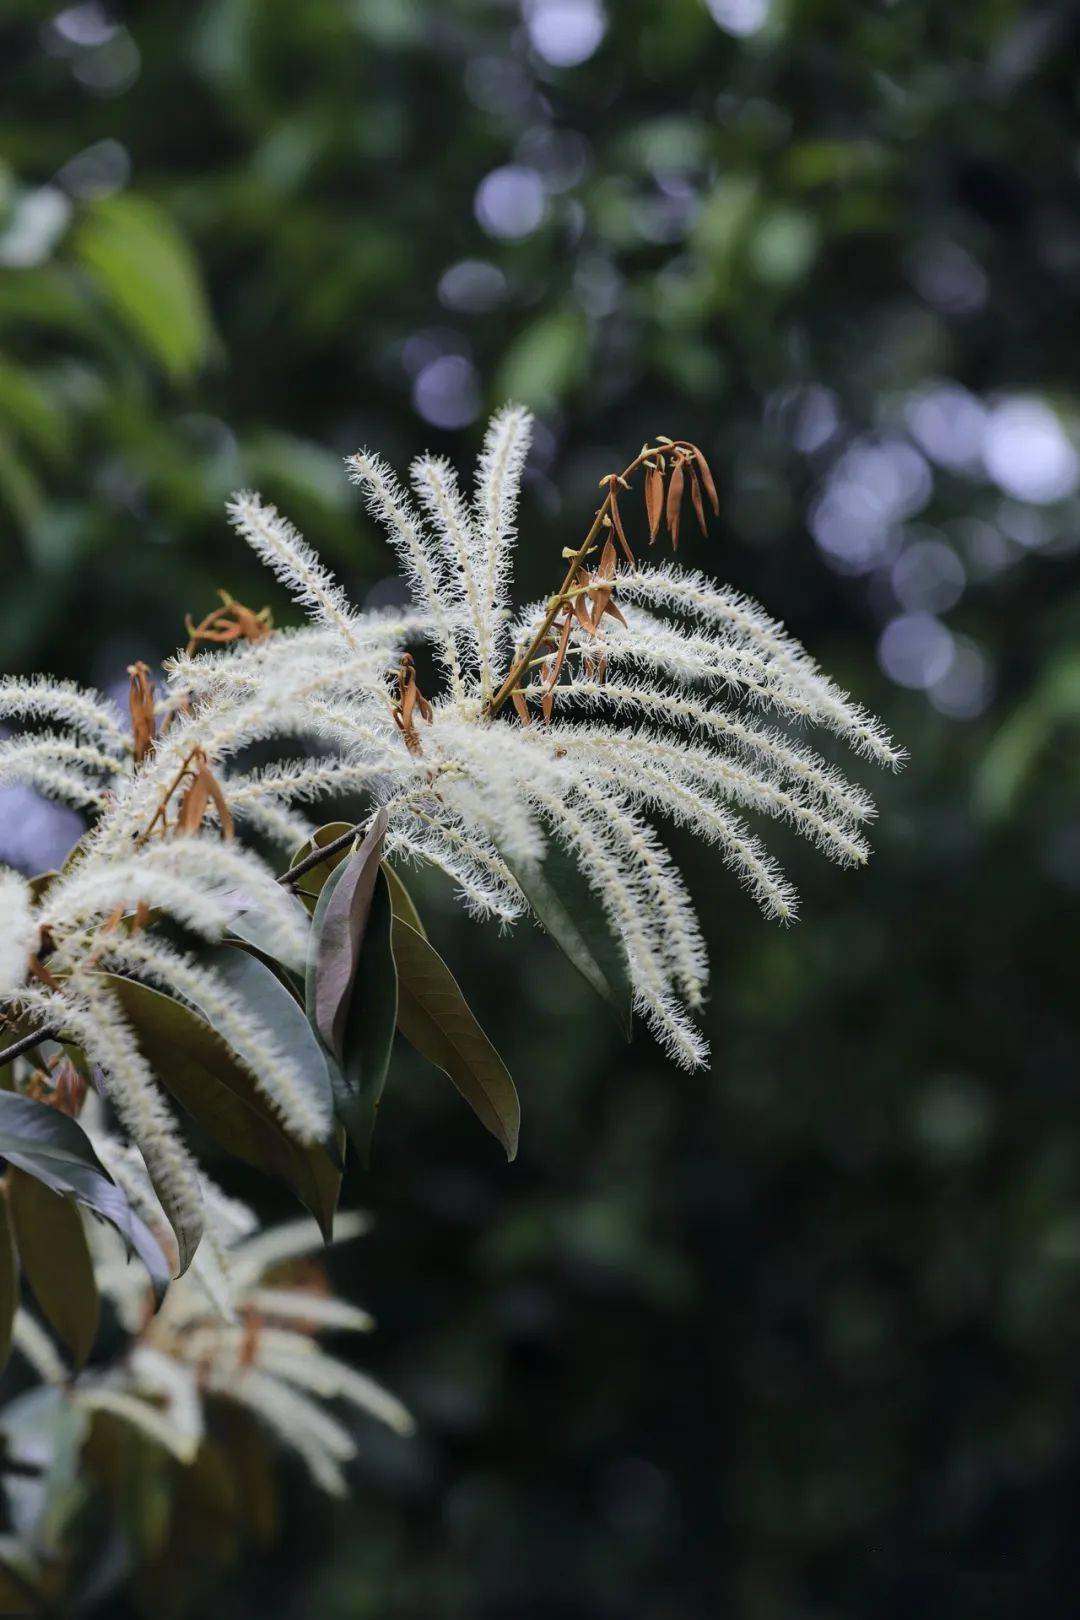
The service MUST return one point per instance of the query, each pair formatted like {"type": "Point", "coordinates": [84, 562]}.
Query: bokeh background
{"type": "Point", "coordinates": [796, 1339]}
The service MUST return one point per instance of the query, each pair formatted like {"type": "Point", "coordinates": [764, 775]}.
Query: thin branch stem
{"type": "Point", "coordinates": [317, 856]}
{"type": "Point", "coordinates": [27, 1044]}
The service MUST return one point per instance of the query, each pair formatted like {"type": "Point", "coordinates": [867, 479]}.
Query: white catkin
{"type": "Point", "coordinates": [279, 545]}
{"type": "Point", "coordinates": [502, 462]}
{"type": "Point", "coordinates": [18, 930]}
{"type": "Point", "coordinates": [81, 710]}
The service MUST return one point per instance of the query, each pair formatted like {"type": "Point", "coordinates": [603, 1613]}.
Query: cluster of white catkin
{"type": "Point", "coordinates": [695, 714]}
{"type": "Point", "coordinates": [697, 719]}
{"type": "Point", "coordinates": [226, 1329]}
{"type": "Point", "coordinates": [197, 879]}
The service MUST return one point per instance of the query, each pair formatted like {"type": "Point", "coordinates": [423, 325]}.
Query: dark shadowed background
{"type": "Point", "coordinates": [796, 1339]}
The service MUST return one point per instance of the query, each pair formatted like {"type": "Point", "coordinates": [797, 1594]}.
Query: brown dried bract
{"type": "Point", "coordinates": [68, 1091]}
{"type": "Point", "coordinates": [232, 621]}
{"type": "Point", "coordinates": [203, 790]}
{"type": "Point", "coordinates": [707, 480]}
{"type": "Point", "coordinates": [616, 518]}
{"type": "Point", "coordinates": [410, 699]}
{"type": "Point", "coordinates": [654, 500]}
{"type": "Point", "coordinates": [674, 501]}
{"type": "Point", "coordinates": [695, 496]}
{"type": "Point", "coordinates": [141, 705]}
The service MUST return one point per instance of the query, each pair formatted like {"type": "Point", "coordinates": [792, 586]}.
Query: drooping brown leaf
{"type": "Point", "coordinates": [654, 500]}
{"type": "Point", "coordinates": [695, 496]}
{"type": "Point", "coordinates": [517, 698]}
{"type": "Point", "coordinates": [674, 501]}
{"type": "Point", "coordinates": [616, 518]}
{"type": "Point", "coordinates": [203, 790]}
{"type": "Point", "coordinates": [604, 580]}
{"type": "Point", "coordinates": [707, 480]}
{"type": "Point", "coordinates": [581, 610]}
{"type": "Point", "coordinates": [555, 669]}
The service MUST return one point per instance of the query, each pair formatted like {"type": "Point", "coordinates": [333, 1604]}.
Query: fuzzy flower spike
{"type": "Point", "coordinates": [640, 691]}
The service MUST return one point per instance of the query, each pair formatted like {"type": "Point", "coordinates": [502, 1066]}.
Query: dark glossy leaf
{"type": "Point", "coordinates": [402, 901]}
{"type": "Point", "coordinates": [268, 1002]}
{"type": "Point", "coordinates": [311, 885]}
{"type": "Point", "coordinates": [360, 1076]}
{"type": "Point", "coordinates": [337, 938]}
{"type": "Point", "coordinates": [434, 1016]}
{"type": "Point", "coordinates": [216, 1089]}
{"type": "Point", "coordinates": [9, 1281]}
{"type": "Point", "coordinates": [56, 1150]}
{"type": "Point", "coordinates": [575, 920]}
{"type": "Point", "coordinates": [56, 1260]}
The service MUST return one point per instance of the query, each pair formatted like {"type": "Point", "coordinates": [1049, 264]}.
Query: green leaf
{"type": "Point", "coordinates": [312, 883]}
{"type": "Point", "coordinates": [402, 901]}
{"type": "Point", "coordinates": [575, 920]}
{"type": "Point", "coordinates": [272, 1006]}
{"type": "Point", "coordinates": [218, 1092]}
{"type": "Point", "coordinates": [146, 271]}
{"type": "Point", "coordinates": [9, 1281]}
{"type": "Point", "coordinates": [56, 1259]}
{"type": "Point", "coordinates": [55, 1150]}
{"type": "Point", "coordinates": [434, 1016]}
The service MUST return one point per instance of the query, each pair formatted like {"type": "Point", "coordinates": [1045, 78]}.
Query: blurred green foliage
{"type": "Point", "coordinates": [797, 1339]}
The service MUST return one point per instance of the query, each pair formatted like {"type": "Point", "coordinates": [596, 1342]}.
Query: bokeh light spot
{"type": "Point", "coordinates": [564, 32]}
{"type": "Point", "coordinates": [510, 202]}
{"type": "Point", "coordinates": [915, 650]}
{"type": "Point", "coordinates": [447, 392]}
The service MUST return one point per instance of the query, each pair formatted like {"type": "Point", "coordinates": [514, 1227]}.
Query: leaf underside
{"type": "Point", "coordinates": [56, 1260]}
{"type": "Point", "coordinates": [435, 1018]}
{"type": "Point", "coordinates": [199, 1070]}
{"type": "Point", "coordinates": [55, 1150]}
